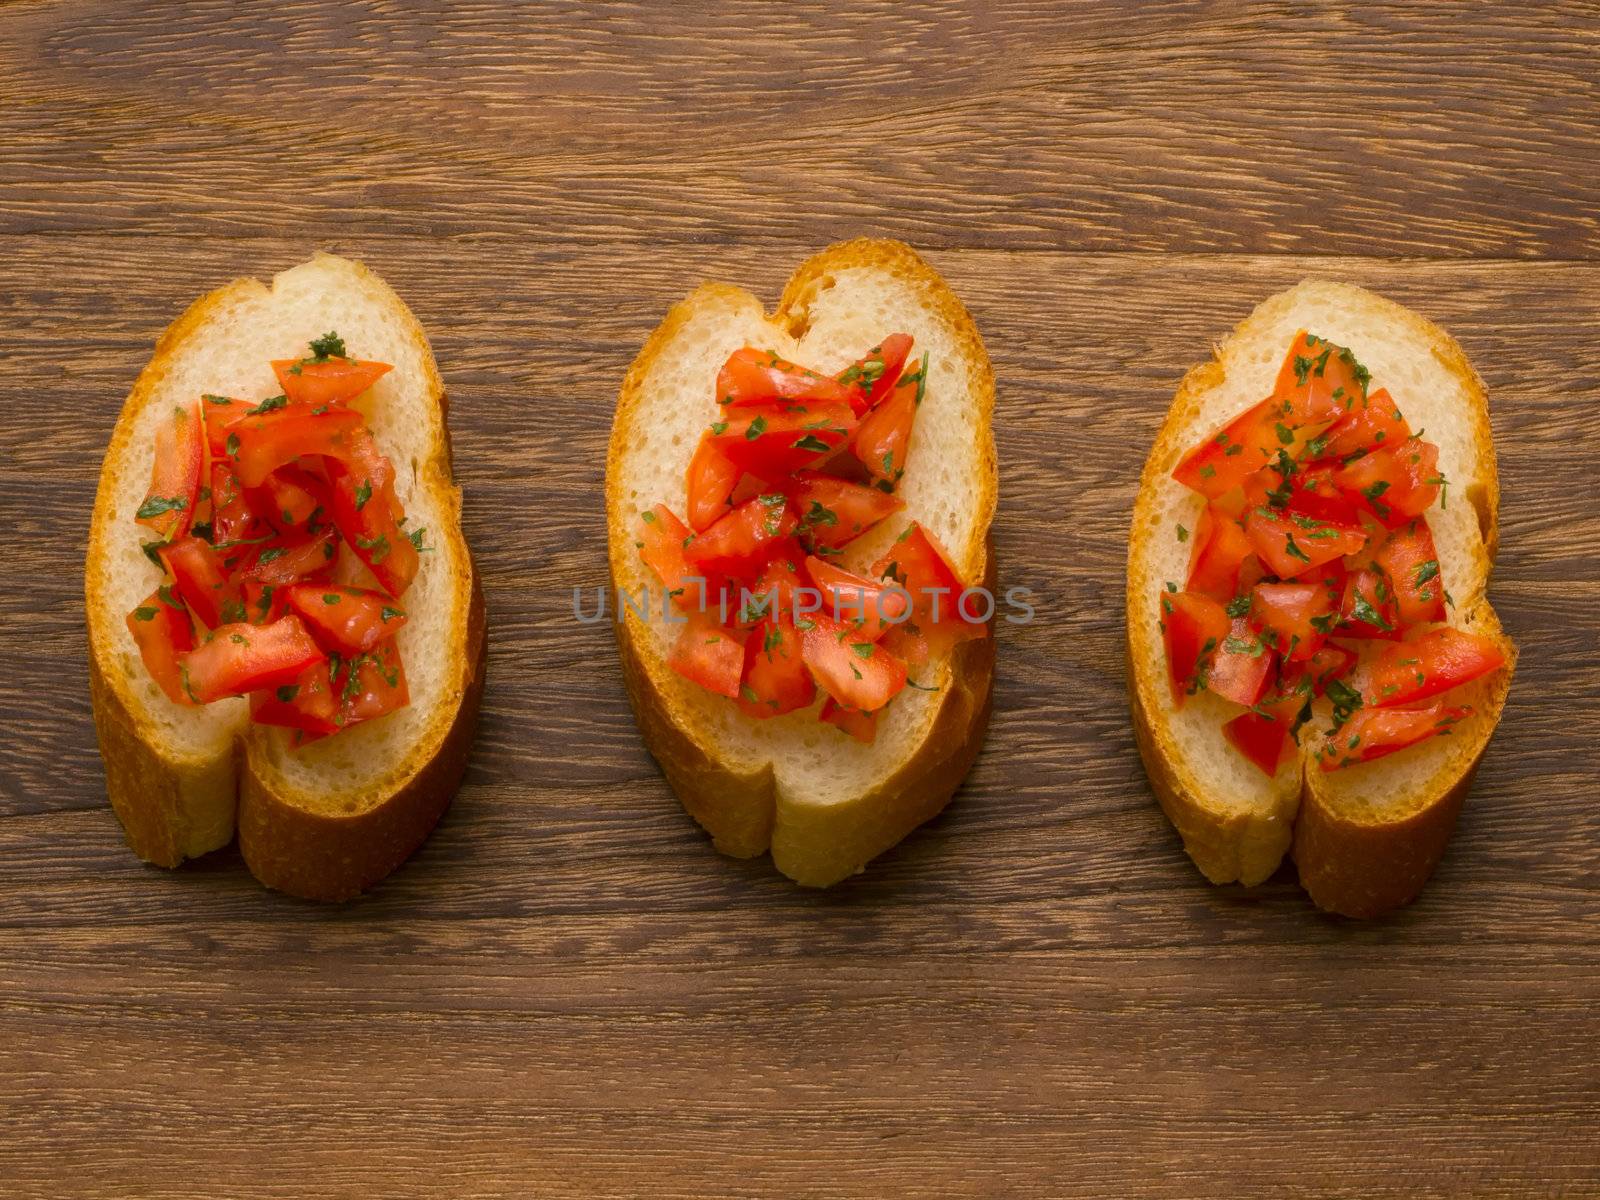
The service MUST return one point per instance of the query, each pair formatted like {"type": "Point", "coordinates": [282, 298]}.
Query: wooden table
{"type": "Point", "coordinates": [567, 991]}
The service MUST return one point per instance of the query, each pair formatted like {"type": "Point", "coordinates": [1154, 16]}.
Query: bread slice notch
{"type": "Point", "coordinates": [823, 804]}
{"type": "Point", "coordinates": [329, 819]}
{"type": "Point", "coordinates": [1365, 838]}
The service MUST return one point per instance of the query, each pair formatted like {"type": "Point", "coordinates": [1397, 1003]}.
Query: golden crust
{"type": "Point", "coordinates": [1352, 860]}
{"type": "Point", "coordinates": [741, 809]}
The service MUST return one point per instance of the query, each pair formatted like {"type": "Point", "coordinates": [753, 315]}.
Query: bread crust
{"type": "Point", "coordinates": [1352, 860]}
{"type": "Point", "coordinates": [819, 845]}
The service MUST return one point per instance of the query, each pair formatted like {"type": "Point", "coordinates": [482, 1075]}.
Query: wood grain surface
{"type": "Point", "coordinates": [567, 992]}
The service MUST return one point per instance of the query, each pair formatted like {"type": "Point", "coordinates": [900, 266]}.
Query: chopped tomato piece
{"type": "Point", "coordinates": [232, 518]}
{"type": "Point", "coordinates": [918, 563]}
{"type": "Point", "coordinates": [1427, 665]}
{"type": "Point", "coordinates": [710, 655]}
{"type": "Point", "coordinates": [1312, 492]}
{"type": "Point", "coordinates": [239, 658]}
{"type": "Point", "coordinates": [333, 380]}
{"type": "Point", "coordinates": [1374, 732]}
{"type": "Point", "coordinates": [868, 608]}
{"type": "Point", "coordinates": [740, 544]}
{"type": "Point", "coordinates": [162, 629]}
{"type": "Point", "coordinates": [854, 671]}
{"type": "Point", "coordinates": [883, 442]}
{"type": "Point", "coordinates": [863, 726]}
{"type": "Point", "coordinates": [258, 445]}
{"type": "Point", "coordinates": [180, 457]}
{"type": "Point", "coordinates": [879, 370]}
{"type": "Point", "coordinates": [307, 704]}
{"type": "Point", "coordinates": [712, 478]}
{"type": "Point", "coordinates": [1241, 666]}
{"type": "Point", "coordinates": [1233, 453]}
{"type": "Point", "coordinates": [834, 511]}
{"type": "Point", "coordinates": [370, 685]}
{"type": "Point", "coordinates": [293, 558]}
{"type": "Point", "coordinates": [1291, 544]}
{"type": "Point", "coordinates": [1411, 564]}
{"type": "Point", "coordinates": [200, 578]}
{"type": "Point", "coordinates": [909, 644]}
{"type": "Point", "coordinates": [264, 603]}
{"type": "Point", "coordinates": [1192, 627]}
{"type": "Point", "coordinates": [1395, 483]}
{"type": "Point", "coordinates": [1369, 424]}
{"type": "Point", "coordinates": [1295, 618]}
{"type": "Point", "coordinates": [292, 499]}
{"type": "Point", "coordinates": [345, 619]}
{"type": "Point", "coordinates": [772, 443]}
{"type": "Point", "coordinates": [775, 677]}
{"type": "Point", "coordinates": [661, 538]}
{"type": "Point", "coordinates": [1329, 664]}
{"type": "Point", "coordinates": [1220, 549]}
{"type": "Point", "coordinates": [1367, 608]}
{"type": "Point", "coordinates": [759, 377]}
{"type": "Point", "coordinates": [368, 516]}
{"type": "Point", "coordinates": [773, 592]}
{"type": "Point", "coordinates": [1320, 380]}
{"type": "Point", "coordinates": [220, 412]}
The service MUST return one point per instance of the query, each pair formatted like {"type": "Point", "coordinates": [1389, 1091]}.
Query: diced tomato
{"type": "Point", "coordinates": [1241, 666]}
{"type": "Point", "coordinates": [709, 654]}
{"type": "Point", "coordinates": [712, 478]}
{"type": "Point", "coordinates": [1233, 453]}
{"type": "Point", "coordinates": [232, 518]}
{"type": "Point", "coordinates": [773, 443]}
{"type": "Point", "coordinates": [661, 537]}
{"type": "Point", "coordinates": [264, 603]}
{"type": "Point", "coordinates": [854, 671]}
{"type": "Point", "coordinates": [1330, 663]}
{"type": "Point", "coordinates": [759, 377]}
{"type": "Point", "coordinates": [883, 442]}
{"type": "Point", "coordinates": [293, 558]}
{"type": "Point", "coordinates": [1291, 544]}
{"type": "Point", "coordinates": [1427, 665]}
{"type": "Point", "coordinates": [868, 608]}
{"type": "Point", "coordinates": [1395, 483]}
{"type": "Point", "coordinates": [1411, 564]}
{"type": "Point", "coordinates": [220, 412]}
{"type": "Point", "coordinates": [258, 445]}
{"type": "Point", "coordinates": [1220, 549]}
{"type": "Point", "coordinates": [345, 619]}
{"type": "Point", "coordinates": [740, 544]}
{"type": "Point", "coordinates": [201, 580]}
{"type": "Point", "coordinates": [872, 375]}
{"type": "Point", "coordinates": [773, 592]}
{"type": "Point", "coordinates": [163, 630]}
{"type": "Point", "coordinates": [292, 498]}
{"type": "Point", "coordinates": [863, 726]}
{"type": "Point", "coordinates": [239, 658]}
{"type": "Point", "coordinates": [1367, 608]}
{"type": "Point", "coordinates": [180, 457]}
{"type": "Point", "coordinates": [918, 563]}
{"type": "Point", "coordinates": [313, 381]}
{"type": "Point", "coordinates": [1368, 424]}
{"type": "Point", "coordinates": [1313, 493]}
{"type": "Point", "coordinates": [368, 516]}
{"type": "Point", "coordinates": [1295, 617]}
{"type": "Point", "coordinates": [1192, 627]}
{"type": "Point", "coordinates": [1265, 732]}
{"type": "Point", "coordinates": [775, 677]}
{"type": "Point", "coordinates": [834, 511]}
{"type": "Point", "coordinates": [909, 644]}
{"type": "Point", "coordinates": [1374, 732]}
{"type": "Point", "coordinates": [307, 704]}
{"type": "Point", "coordinates": [1318, 382]}
{"type": "Point", "coordinates": [370, 685]}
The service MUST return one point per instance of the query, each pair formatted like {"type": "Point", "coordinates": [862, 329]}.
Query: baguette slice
{"type": "Point", "coordinates": [334, 817]}
{"type": "Point", "coordinates": [1365, 838]}
{"type": "Point", "coordinates": [823, 804]}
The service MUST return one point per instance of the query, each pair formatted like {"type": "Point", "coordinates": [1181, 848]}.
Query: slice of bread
{"type": "Point", "coordinates": [822, 803]}
{"type": "Point", "coordinates": [1365, 838]}
{"type": "Point", "coordinates": [331, 818]}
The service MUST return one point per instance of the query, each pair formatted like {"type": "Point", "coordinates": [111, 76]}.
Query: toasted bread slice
{"type": "Point", "coordinates": [331, 818]}
{"type": "Point", "coordinates": [1365, 838]}
{"type": "Point", "coordinates": [823, 804]}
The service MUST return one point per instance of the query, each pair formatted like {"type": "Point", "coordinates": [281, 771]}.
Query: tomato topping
{"type": "Point", "coordinates": [1428, 665]}
{"type": "Point", "coordinates": [1329, 664]}
{"type": "Point", "coordinates": [1241, 665]}
{"type": "Point", "coordinates": [834, 511]}
{"type": "Point", "coordinates": [238, 658]}
{"type": "Point", "coordinates": [709, 654]}
{"type": "Point", "coordinates": [233, 520]}
{"type": "Point", "coordinates": [1220, 549]}
{"type": "Point", "coordinates": [1367, 608]}
{"type": "Point", "coordinates": [1368, 424]}
{"type": "Point", "coordinates": [1319, 382]}
{"type": "Point", "coordinates": [264, 603]}
{"type": "Point", "coordinates": [1238, 450]}
{"type": "Point", "coordinates": [260, 444]}
{"type": "Point", "coordinates": [368, 518]}
{"type": "Point", "coordinates": [775, 677]}
{"type": "Point", "coordinates": [1295, 618]}
{"type": "Point", "coordinates": [868, 608]}
{"type": "Point", "coordinates": [740, 544]}
{"type": "Point", "coordinates": [162, 629]}
{"type": "Point", "coordinates": [759, 377]}
{"type": "Point", "coordinates": [349, 620]}
{"type": "Point", "coordinates": [773, 592]}
{"type": "Point", "coordinates": [712, 478]}
{"type": "Point", "coordinates": [883, 442]}
{"type": "Point", "coordinates": [1374, 732]}
{"type": "Point", "coordinates": [772, 443]}
{"type": "Point", "coordinates": [1291, 544]}
{"type": "Point", "coordinates": [201, 580]}
{"type": "Point", "coordinates": [661, 537]}
{"type": "Point", "coordinates": [326, 380]}
{"type": "Point", "coordinates": [370, 685]}
{"type": "Point", "coordinates": [292, 498]}
{"type": "Point", "coordinates": [854, 671]}
{"type": "Point", "coordinates": [180, 458]}
{"type": "Point", "coordinates": [219, 413]}
{"type": "Point", "coordinates": [1192, 627]}
{"type": "Point", "coordinates": [1411, 564]}
{"type": "Point", "coordinates": [293, 558]}
{"type": "Point", "coordinates": [863, 726]}
{"type": "Point", "coordinates": [1395, 483]}
{"type": "Point", "coordinates": [307, 704]}
{"type": "Point", "coordinates": [872, 375]}
{"type": "Point", "coordinates": [1260, 739]}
